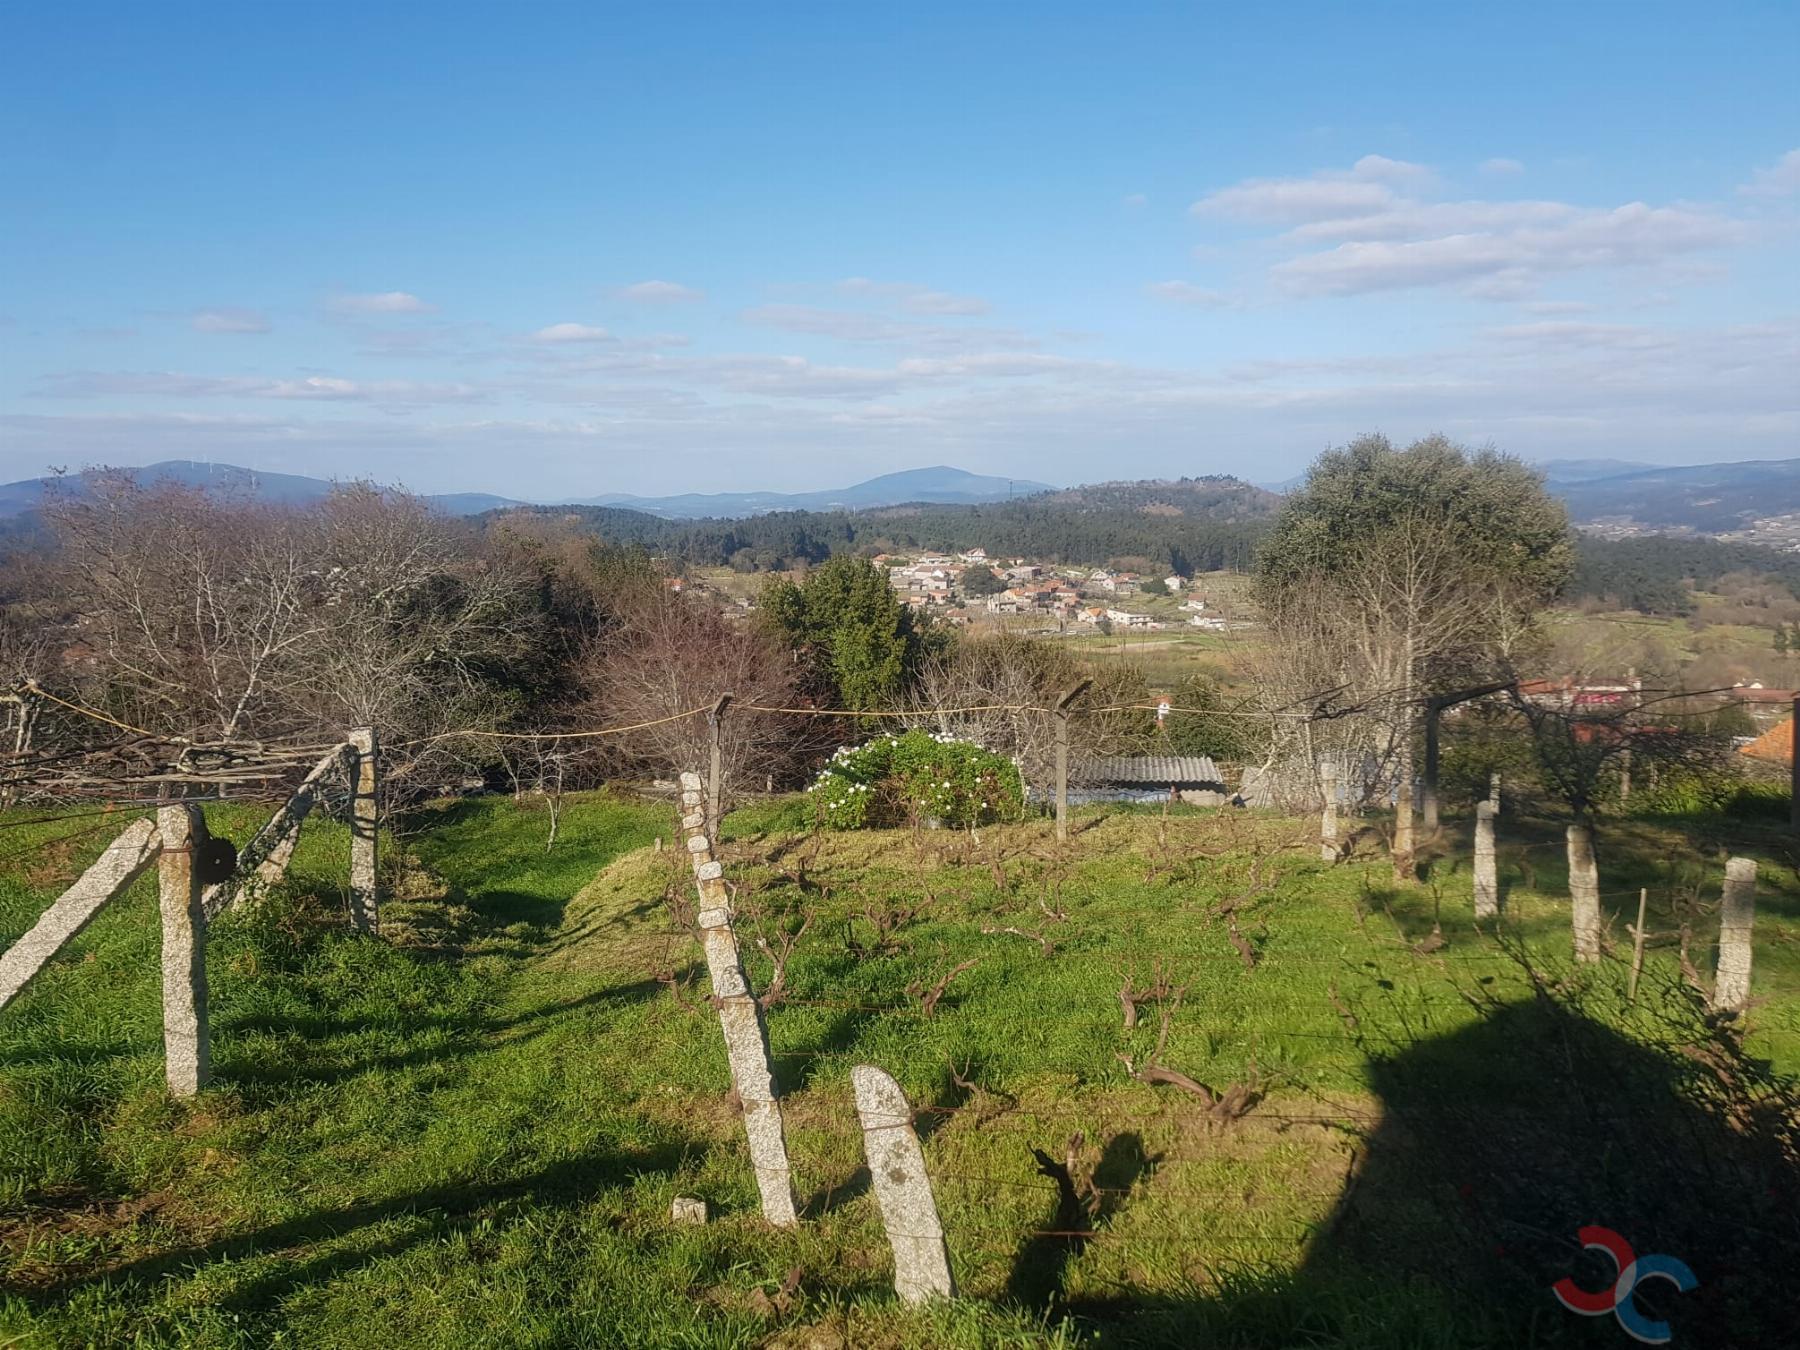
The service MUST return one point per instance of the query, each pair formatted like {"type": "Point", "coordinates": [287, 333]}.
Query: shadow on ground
{"type": "Point", "coordinates": [1494, 1145]}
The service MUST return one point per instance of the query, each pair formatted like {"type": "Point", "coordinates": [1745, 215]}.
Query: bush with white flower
{"type": "Point", "coordinates": [916, 775]}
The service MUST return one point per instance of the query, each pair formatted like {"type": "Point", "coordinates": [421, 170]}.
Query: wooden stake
{"type": "Point", "coordinates": [1794, 769]}
{"type": "Point", "coordinates": [1434, 711]}
{"type": "Point", "coordinates": [715, 783]}
{"type": "Point", "coordinates": [1062, 758]}
{"type": "Point", "coordinates": [1637, 944]}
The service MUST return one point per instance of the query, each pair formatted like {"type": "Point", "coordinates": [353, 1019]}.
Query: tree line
{"type": "Point", "coordinates": [1043, 529]}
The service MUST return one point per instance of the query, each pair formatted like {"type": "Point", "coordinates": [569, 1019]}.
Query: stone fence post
{"type": "Point", "coordinates": [187, 1054]}
{"type": "Point", "coordinates": [1487, 881]}
{"type": "Point", "coordinates": [1328, 817]}
{"type": "Point", "coordinates": [902, 1188]}
{"type": "Point", "coordinates": [740, 1017]}
{"type": "Point", "coordinates": [1737, 917]}
{"type": "Point", "coordinates": [1584, 893]}
{"type": "Point", "coordinates": [365, 819]}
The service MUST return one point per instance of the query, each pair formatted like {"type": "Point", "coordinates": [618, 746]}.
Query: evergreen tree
{"type": "Point", "coordinates": [856, 638]}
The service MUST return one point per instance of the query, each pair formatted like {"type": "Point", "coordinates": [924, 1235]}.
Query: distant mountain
{"type": "Point", "coordinates": [1215, 497]}
{"type": "Point", "coordinates": [1561, 471]}
{"type": "Point", "coordinates": [1702, 498]}
{"type": "Point", "coordinates": [283, 489]}
{"type": "Point", "coordinates": [940, 485]}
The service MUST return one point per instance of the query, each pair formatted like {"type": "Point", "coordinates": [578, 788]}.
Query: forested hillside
{"type": "Point", "coordinates": [1656, 574]}
{"type": "Point", "coordinates": [1195, 525]}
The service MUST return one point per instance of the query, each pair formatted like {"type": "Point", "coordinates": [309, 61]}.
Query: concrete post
{"type": "Point", "coordinates": [186, 1050]}
{"type": "Point", "coordinates": [1328, 816]}
{"type": "Point", "coordinates": [902, 1188]}
{"type": "Point", "coordinates": [365, 894]}
{"type": "Point", "coordinates": [740, 1018]}
{"type": "Point", "coordinates": [266, 856]}
{"type": "Point", "coordinates": [123, 862]}
{"type": "Point", "coordinates": [1737, 917]}
{"type": "Point", "coordinates": [1584, 893]}
{"type": "Point", "coordinates": [1487, 881]}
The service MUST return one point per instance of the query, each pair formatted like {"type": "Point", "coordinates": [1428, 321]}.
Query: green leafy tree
{"type": "Point", "coordinates": [979, 581]}
{"type": "Point", "coordinates": [1411, 571]}
{"type": "Point", "coordinates": [1731, 720]}
{"type": "Point", "coordinates": [844, 621]}
{"type": "Point", "coordinates": [1152, 586]}
{"type": "Point", "coordinates": [1210, 728]}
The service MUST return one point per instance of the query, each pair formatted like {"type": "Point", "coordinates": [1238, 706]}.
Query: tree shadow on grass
{"type": "Point", "coordinates": [1492, 1145]}
{"type": "Point", "coordinates": [323, 1245]}
{"type": "Point", "coordinates": [465, 1038]}
{"type": "Point", "coordinates": [1084, 1207]}
{"type": "Point", "coordinates": [1497, 1142]}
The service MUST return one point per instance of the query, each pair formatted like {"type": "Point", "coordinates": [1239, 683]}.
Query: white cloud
{"type": "Point", "coordinates": [229, 320]}
{"type": "Point", "coordinates": [1283, 200]}
{"type": "Point", "coordinates": [571, 332]}
{"type": "Point", "coordinates": [850, 325]}
{"type": "Point", "coordinates": [1781, 179]}
{"type": "Point", "coordinates": [914, 298]}
{"type": "Point", "coordinates": [380, 302]}
{"type": "Point", "coordinates": [1390, 234]}
{"type": "Point", "coordinates": [1506, 259]}
{"type": "Point", "coordinates": [1366, 187]}
{"type": "Point", "coordinates": [1501, 165]}
{"type": "Point", "coordinates": [321, 388]}
{"type": "Point", "coordinates": [659, 293]}
{"type": "Point", "coordinates": [1186, 293]}
{"type": "Point", "coordinates": [1543, 390]}
{"type": "Point", "coordinates": [1380, 168]}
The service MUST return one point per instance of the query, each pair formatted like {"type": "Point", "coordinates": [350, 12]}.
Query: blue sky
{"type": "Point", "coordinates": [556, 251]}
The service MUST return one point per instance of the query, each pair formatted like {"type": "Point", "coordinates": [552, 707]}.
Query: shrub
{"type": "Point", "coordinates": [1689, 795]}
{"type": "Point", "coordinates": [894, 779]}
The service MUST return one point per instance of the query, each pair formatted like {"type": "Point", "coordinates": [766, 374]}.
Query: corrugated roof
{"type": "Point", "coordinates": [1158, 770]}
{"type": "Point", "coordinates": [1775, 745]}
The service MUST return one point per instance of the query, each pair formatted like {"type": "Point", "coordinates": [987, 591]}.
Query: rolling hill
{"type": "Point", "coordinates": [938, 485]}
{"type": "Point", "coordinates": [282, 489]}
{"type": "Point", "coordinates": [1701, 498]}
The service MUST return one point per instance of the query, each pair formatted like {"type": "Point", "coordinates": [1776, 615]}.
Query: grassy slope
{"type": "Point", "coordinates": [471, 1135]}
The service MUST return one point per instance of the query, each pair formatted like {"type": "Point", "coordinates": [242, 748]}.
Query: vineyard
{"type": "Point", "coordinates": [1176, 1081]}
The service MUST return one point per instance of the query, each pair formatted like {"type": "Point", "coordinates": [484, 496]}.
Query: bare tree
{"type": "Point", "coordinates": [669, 655]}
{"type": "Point", "coordinates": [997, 692]}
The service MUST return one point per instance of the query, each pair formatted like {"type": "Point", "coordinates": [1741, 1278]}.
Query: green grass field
{"type": "Point", "coordinates": [469, 1132]}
